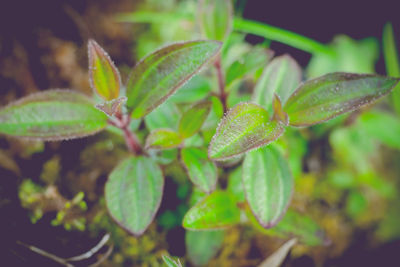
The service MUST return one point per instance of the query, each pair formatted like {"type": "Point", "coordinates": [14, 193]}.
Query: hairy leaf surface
{"type": "Point", "coordinates": [133, 193]}
{"type": "Point", "coordinates": [215, 211]}
{"type": "Point", "coordinates": [323, 98]}
{"type": "Point", "coordinates": [163, 139]}
{"type": "Point", "coordinates": [104, 77]}
{"type": "Point", "coordinates": [202, 172]}
{"type": "Point", "coordinates": [161, 73]}
{"type": "Point", "coordinates": [244, 127]}
{"type": "Point", "coordinates": [52, 115]}
{"type": "Point", "coordinates": [268, 184]}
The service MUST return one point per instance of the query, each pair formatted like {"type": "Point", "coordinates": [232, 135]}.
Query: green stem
{"type": "Point", "coordinates": [281, 35]}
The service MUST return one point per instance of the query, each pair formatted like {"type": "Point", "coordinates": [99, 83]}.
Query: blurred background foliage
{"type": "Point", "coordinates": [346, 170]}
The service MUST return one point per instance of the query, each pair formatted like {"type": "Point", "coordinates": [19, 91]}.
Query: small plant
{"type": "Point", "coordinates": [205, 144]}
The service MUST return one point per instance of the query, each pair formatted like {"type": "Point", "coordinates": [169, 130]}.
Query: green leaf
{"type": "Point", "coordinates": [170, 262]}
{"type": "Point", "coordinates": [215, 18]}
{"type": "Point", "coordinates": [196, 89]}
{"type": "Point", "coordinates": [202, 246]}
{"type": "Point", "coordinates": [161, 73]}
{"type": "Point", "coordinates": [133, 193]}
{"type": "Point", "coordinates": [235, 184]}
{"type": "Point", "coordinates": [165, 116]}
{"type": "Point", "coordinates": [281, 77]}
{"type": "Point", "coordinates": [193, 119]}
{"type": "Point", "coordinates": [202, 172]}
{"type": "Point", "coordinates": [163, 139]}
{"type": "Point", "coordinates": [328, 96]}
{"type": "Point", "coordinates": [217, 210]}
{"type": "Point", "coordinates": [244, 127]}
{"type": "Point", "coordinates": [52, 115]}
{"type": "Point", "coordinates": [391, 61]}
{"type": "Point", "coordinates": [268, 184]}
{"type": "Point", "coordinates": [104, 77]}
{"type": "Point", "coordinates": [277, 258]}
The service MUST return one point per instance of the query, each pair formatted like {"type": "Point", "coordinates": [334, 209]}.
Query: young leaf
{"type": "Point", "coordinates": [268, 184]}
{"type": "Point", "coordinates": [277, 258]}
{"type": "Point", "coordinates": [113, 106]}
{"type": "Point", "coordinates": [133, 193]}
{"type": "Point", "coordinates": [160, 74]}
{"type": "Point", "coordinates": [193, 119]}
{"type": "Point", "coordinates": [163, 139]}
{"type": "Point", "coordinates": [330, 95]}
{"type": "Point", "coordinates": [281, 77]}
{"type": "Point", "coordinates": [202, 246]}
{"type": "Point", "coordinates": [52, 115]}
{"type": "Point", "coordinates": [215, 211]}
{"type": "Point", "coordinates": [244, 127]}
{"type": "Point", "coordinates": [104, 77]}
{"type": "Point", "coordinates": [216, 18]}
{"type": "Point", "coordinates": [202, 172]}
{"type": "Point", "coordinates": [170, 262]}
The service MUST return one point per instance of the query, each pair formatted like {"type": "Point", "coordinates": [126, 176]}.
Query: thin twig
{"type": "Point", "coordinates": [221, 83]}
{"type": "Point", "coordinates": [92, 251]}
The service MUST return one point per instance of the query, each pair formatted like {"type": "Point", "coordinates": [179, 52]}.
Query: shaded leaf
{"type": "Point", "coordinates": [52, 115]}
{"type": "Point", "coordinates": [330, 95]}
{"type": "Point", "coordinates": [133, 193]}
{"type": "Point", "coordinates": [196, 89]}
{"type": "Point", "coordinates": [268, 184]}
{"type": "Point", "coordinates": [277, 258]}
{"type": "Point", "coordinates": [281, 76]}
{"type": "Point", "coordinates": [215, 211]}
{"type": "Point", "coordinates": [104, 77]}
{"type": "Point", "coordinates": [202, 246]}
{"type": "Point", "coordinates": [215, 18]}
{"type": "Point", "coordinates": [193, 119]}
{"type": "Point", "coordinates": [163, 139]}
{"type": "Point", "coordinates": [202, 172]}
{"type": "Point", "coordinates": [235, 184]}
{"type": "Point", "coordinates": [161, 73]}
{"type": "Point", "coordinates": [244, 127]}
{"type": "Point", "coordinates": [165, 116]}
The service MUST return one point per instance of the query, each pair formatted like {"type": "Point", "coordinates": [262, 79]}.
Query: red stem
{"type": "Point", "coordinates": [221, 84]}
{"type": "Point", "coordinates": [122, 122]}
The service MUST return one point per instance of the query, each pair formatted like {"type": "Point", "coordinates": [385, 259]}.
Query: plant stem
{"type": "Point", "coordinates": [122, 122]}
{"type": "Point", "coordinates": [281, 35]}
{"type": "Point", "coordinates": [221, 83]}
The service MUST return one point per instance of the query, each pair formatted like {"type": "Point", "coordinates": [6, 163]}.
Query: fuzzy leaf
{"type": "Point", "coordinates": [161, 73]}
{"type": "Point", "coordinates": [104, 77]}
{"type": "Point", "coordinates": [112, 107]}
{"type": "Point", "coordinates": [215, 211]}
{"type": "Point", "coordinates": [52, 115]}
{"type": "Point", "coordinates": [268, 184]}
{"type": "Point", "coordinates": [216, 18]}
{"type": "Point", "coordinates": [324, 98]}
{"type": "Point", "coordinates": [163, 139]}
{"type": "Point", "coordinates": [244, 127]}
{"type": "Point", "coordinates": [281, 77]}
{"type": "Point", "coordinates": [193, 119]}
{"type": "Point", "coordinates": [202, 246]}
{"type": "Point", "coordinates": [202, 172]}
{"type": "Point", "coordinates": [133, 193]}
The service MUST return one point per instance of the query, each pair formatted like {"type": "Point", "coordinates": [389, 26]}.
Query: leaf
{"type": "Point", "coordinates": [202, 172]}
{"type": "Point", "coordinates": [235, 184]}
{"type": "Point", "coordinates": [104, 77]}
{"type": "Point", "coordinates": [215, 211]}
{"type": "Point", "coordinates": [166, 115]}
{"type": "Point", "coordinates": [215, 18]}
{"type": "Point", "coordinates": [281, 77]}
{"type": "Point", "coordinates": [196, 89]}
{"type": "Point", "coordinates": [244, 127]}
{"type": "Point", "coordinates": [201, 246]}
{"type": "Point", "coordinates": [193, 119]}
{"type": "Point", "coordinates": [268, 184]}
{"type": "Point", "coordinates": [170, 262]}
{"type": "Point", "coordinates": [52, 115]}
{"type": "Point", "coordinates": [111, 107]}
{"type": "Point", "coordinates": [133, 193]}
{"type": "Point", "coordinates": [392, 61]}
{"type": "Point", "coordinates": [161, 73]}
{"type": "Point", "coordinates": [163, 139]}
{"type": "Point", "coordinates": [330, 95]}
{"type": "Point", "coordinates": [277, 258]}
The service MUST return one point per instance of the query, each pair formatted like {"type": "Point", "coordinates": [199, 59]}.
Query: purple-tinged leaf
{"type": "Point", "coordinates": [193, 119]}
{"type": "Point", "coordinates": [268, 184]}
{"type": "Point", "coordinates": [215, 211]}
{"type": "Point", "coordinates": [133, 193]}
{"type": "Point", "coordinates": [113, 106]}
{"type": "Point", "coordinates": [328, 96]}
{"type": "Point", "coordinates": [161, 73]}
{"type": "Point", "coordinates": [52, 115]}
{"type": "Point", "coordinates": [163, 139]}
{"type": "Point", "coordinates": [244, 127]}
{"type": "Point", "coordinates": [104, 77]}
